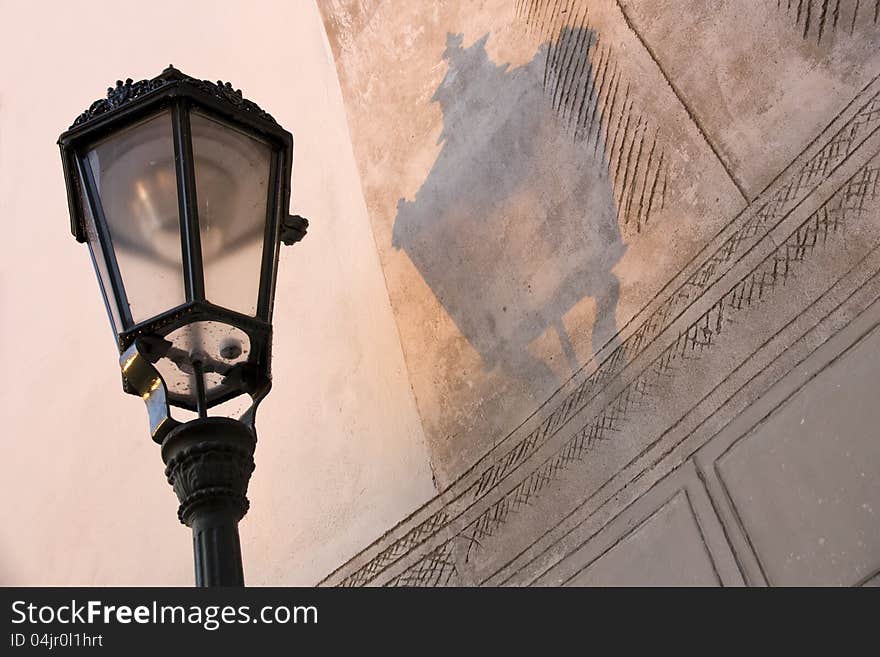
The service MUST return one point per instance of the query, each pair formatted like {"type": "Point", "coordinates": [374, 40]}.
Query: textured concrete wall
{"type": "Point", "coordinates": [341, 454]}
{"type": "Point", "coordinates": [618, 236]}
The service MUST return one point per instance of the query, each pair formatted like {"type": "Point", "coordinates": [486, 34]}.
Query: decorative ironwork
{"type": "Point", "coordinates": [209, 462]}
{"type": "Point", "coordinates": [225, 91]}
{"type": "Point", "coordinates": [125, 92]}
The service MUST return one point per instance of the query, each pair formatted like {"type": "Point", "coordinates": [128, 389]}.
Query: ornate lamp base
{"type": "Point", "coordinates": [209, 462]}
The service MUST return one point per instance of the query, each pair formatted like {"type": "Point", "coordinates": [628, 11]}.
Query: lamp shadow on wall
{"type": "Point", "coordinates": [516, 222]}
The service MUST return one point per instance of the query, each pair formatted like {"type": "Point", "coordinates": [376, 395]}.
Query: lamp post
{"type": "Point", "coordinates": [180, 188]}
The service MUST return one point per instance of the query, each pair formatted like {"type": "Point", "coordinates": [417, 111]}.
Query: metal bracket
{"type": "Point", "coordinates": [139, 373]}
{"type": "Point", "coordinates": [293, 229]}
{"type": "Point", "coordinates": [242, 376]}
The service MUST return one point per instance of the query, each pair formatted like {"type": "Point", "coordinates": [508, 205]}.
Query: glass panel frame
{"type": "Point", "coordinates": [104, 266]}
{"type": "Point", "coordinates": [94, 205]}
{"type": "Point", "coordinates": [193, 260]}
{"type": "Point", "coordinates": [245, 215]}
{"type": "Point", "coordinates": [179, 100]}
{"type": "Point", "coordinates": [115, 297]}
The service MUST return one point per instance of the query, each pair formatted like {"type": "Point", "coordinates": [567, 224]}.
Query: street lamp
{"type": "Point", "coordinates": [180, 187]}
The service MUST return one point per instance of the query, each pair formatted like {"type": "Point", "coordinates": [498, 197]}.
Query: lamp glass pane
{"type": "Point", "coordinates": [135, 175]}
{"type": "Point", "coordinates": [101, 268]}
{"type": "Point", "coordinates": [232, 188]}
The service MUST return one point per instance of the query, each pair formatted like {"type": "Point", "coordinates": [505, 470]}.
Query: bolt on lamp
{"type": "Point", "coordinates": [180, 187]}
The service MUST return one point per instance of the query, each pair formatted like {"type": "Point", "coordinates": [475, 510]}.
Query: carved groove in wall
{"type": "Point", "coordinates": [818, 19]}
{"type": "Point", "coordinates": [590, 91]}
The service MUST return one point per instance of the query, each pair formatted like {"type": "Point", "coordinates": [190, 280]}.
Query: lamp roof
{"type": "Point", "coordinates": [128, 91]}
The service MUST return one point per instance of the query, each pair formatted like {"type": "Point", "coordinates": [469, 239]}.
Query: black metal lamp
{"type": "Point", "coordinates": [181, 187]}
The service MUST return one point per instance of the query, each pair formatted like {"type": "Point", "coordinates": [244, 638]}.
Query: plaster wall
{"type": "Point", "coordinates": [632, 250]}
{"type": "Point", "coordinates": [341, 454]}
